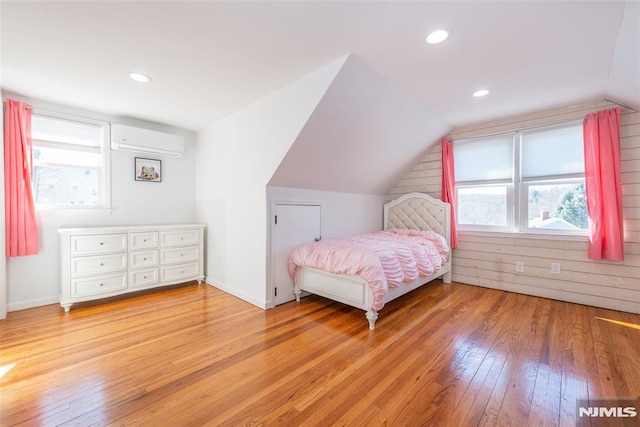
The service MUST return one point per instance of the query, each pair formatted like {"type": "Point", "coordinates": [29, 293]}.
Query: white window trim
{"type": "Point", "coordinates": [523, 235]}
{"type": "Point", "coordinates": [105, 207]}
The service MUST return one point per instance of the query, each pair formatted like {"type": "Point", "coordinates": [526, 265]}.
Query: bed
{"type": "Point", "coordinates": [414, 211]}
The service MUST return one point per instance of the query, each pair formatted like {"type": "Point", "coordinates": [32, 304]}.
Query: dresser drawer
{"type": "Point", "coordinates": [100, 264]}
{"type": "Point", "coordinates": [98, 285]}
{"type": "Point", "coordinates": [98, 244]}
{"type": "Point", "coordinates": [142, 259]}
{"type": "Point", "coordinates": [180, 272]}
{"type": "Point", "coordinates": [180, 237]}
{"type": "Point", "coordinates": [174, 255]}
{"type": "Point", "coordinates": [143, 240]}
{"type": "Point", "coordinates": [141, 278]}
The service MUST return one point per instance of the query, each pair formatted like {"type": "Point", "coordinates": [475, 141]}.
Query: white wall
{"type": "Point", "coordinates": [236, 159]}
{"type": "Point", "coordinates": [3, 260]}
{"type": "Point", "coordinates": [489, 261]}
{"type": "Point", "coordinates": [341, 131]}
{"type": "Point", "coordinates": [34, 280]}
{"type": "Point", "coordinates": [365, 131]}
{"type": "Point", "coordinates": [344, 214]}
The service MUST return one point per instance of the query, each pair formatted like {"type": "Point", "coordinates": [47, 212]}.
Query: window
{"type": "Point", "coordinates": [70, 162]}
{"type": "Point", "coordinates": [528, 181]}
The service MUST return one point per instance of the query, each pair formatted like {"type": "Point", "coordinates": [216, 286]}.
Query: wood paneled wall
{"type": "Point", "coordinates": [489, 260]}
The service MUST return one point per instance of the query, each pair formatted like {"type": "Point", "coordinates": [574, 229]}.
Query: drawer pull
{"type": "Point", "coordinates": [100, 262]}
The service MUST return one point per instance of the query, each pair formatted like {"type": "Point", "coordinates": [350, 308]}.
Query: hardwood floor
{"type": "Point", "coordinates": [443, 355]}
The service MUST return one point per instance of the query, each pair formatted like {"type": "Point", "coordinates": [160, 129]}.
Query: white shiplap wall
{"type": "Point", "coordinates": [489, 261]}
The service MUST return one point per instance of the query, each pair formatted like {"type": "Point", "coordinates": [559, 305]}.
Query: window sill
{"type": "Point", "coordinates": [537, 236]}
{"type": "Point", "coordinates": [72, 212]}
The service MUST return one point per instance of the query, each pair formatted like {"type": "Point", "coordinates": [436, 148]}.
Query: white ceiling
{"type": "Point", "coordinates": [210, 58]}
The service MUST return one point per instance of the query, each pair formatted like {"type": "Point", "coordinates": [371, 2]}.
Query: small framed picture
{"type": "Point", "coordinates": [148, 170]}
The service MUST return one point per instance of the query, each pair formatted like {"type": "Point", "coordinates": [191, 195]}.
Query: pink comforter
{"type": "Point", "coordinates": [383, 259]}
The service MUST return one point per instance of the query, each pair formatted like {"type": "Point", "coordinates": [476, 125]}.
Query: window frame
{"type": "Point", "coordinates": [104, 168]}
{"type": "Point", "coordinates": [517, 221]}
{"type": "Point", "coordinates": [524, 206]}
{"type": "Point", "coordinates": [509, 205]}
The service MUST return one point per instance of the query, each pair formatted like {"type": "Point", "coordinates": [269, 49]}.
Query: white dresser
{"type": "Point", "coordinates": [100, 262]}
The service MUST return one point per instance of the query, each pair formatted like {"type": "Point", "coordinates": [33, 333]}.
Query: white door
{"type": "Point", "coordinates": [293, 226]}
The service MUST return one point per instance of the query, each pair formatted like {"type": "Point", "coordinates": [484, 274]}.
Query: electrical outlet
{"type": "Point", "coordinates": [519, 267]}
{"type": "Point", "coordinates": [555, 268]}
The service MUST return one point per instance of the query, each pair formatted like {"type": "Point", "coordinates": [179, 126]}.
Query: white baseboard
{"type": "Point", "coordinates": [557, 294]}
{"type": "Point", "coordinates": [23, 305]}
{"type": "Point", "coordinates": [237, 293]}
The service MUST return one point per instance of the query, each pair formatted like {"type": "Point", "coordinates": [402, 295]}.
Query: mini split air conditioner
{"type": "Point", "coordinates": [146, 141]}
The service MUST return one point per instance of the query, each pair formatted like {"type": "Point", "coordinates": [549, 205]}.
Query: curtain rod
{"type": "Point", "coordinates": [517, 130]}
{"type": "Point", "coordinates": [4, 102]}
{"type": "Point", "coordinates": [617, 103]}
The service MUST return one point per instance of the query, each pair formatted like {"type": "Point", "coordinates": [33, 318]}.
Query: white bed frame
{"type": "Point", "coordinates": [415, 211]}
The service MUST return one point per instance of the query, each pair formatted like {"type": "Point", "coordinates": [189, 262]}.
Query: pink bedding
{"type": "Point", "coordinates": [383, 259]}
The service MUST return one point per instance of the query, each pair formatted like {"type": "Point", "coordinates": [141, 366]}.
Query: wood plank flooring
{"type": "Point", "coordinates": [452, 354]}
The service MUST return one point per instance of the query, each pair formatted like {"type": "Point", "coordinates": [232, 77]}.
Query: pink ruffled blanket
{"type": "Point", "coordinates": [383, 259]}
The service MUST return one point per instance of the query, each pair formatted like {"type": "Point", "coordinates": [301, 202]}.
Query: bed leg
{"type": "Point", "coordinates": [447, 277]}
{"type": "Point", "coordinates": [297, 292]}
{"type": "Point", "coordinates": [372, 316]}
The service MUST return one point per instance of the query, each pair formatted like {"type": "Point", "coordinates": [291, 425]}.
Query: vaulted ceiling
{"type": "Point", "coordinates": [208, 59]}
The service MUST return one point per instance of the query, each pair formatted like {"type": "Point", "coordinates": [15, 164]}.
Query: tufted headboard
{"type": "Point", "coordinates": [418, 211]}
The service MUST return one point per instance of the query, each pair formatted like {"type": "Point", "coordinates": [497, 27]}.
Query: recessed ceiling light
{"type": "Point", "coordinates": [139, 77]}
{"type": "Point", "coordinates": [480, 93]}
{"type": "Point", "coordinates": [437, 36]}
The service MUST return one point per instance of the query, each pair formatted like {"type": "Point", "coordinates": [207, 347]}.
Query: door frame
{"type": "Point", "coordinates": [270, 302]}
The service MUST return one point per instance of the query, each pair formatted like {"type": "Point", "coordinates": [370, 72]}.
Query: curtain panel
{"type": "Point", "coordinates": [20, 215]}
{"type": "Point", "coordinates": [603, 184]}
{"type": "Point", "coordinates": [449, 185]}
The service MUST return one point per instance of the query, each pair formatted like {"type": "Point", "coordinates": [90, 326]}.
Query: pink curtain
{"type": "Point", "coordinates": [604, 189]}
{"type": "Point", "coordinates": [449, 186]}
{"type": "Point", "coordinates": [21, 228]}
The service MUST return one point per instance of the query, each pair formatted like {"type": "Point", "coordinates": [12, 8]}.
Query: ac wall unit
{"type": "Point", "coordinates": [131, 138]}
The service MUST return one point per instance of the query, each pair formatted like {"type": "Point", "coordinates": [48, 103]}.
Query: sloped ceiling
{"type": "Point", "coordinates": [623, 84]}
{"type": "Point", "coordinates": [393, 98]}
{"type": "Point", "coordinates": [362, 137]}
{"type": "Point", "coordinates": [210, 58]}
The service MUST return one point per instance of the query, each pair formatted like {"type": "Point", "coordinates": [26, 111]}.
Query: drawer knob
{"type": "Point", "coordinates": [144, 240]}
{"type": "Point", "coordinates": [101, 243]}
{"type": "Point", "coordinates": [145, 258]}
{"type": "Point", "coordinates": [101, 284]}
{"type": "Point", "coordinates": [101, 264]}
{"type": "Point", "coordinates": [181, 254]}
{"type": "Point", "coordinates": [144, 277]}
{"type": "Point", "coordinates": [182, 238]}
{"type": "Point", "coordinates": [181, 271]}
